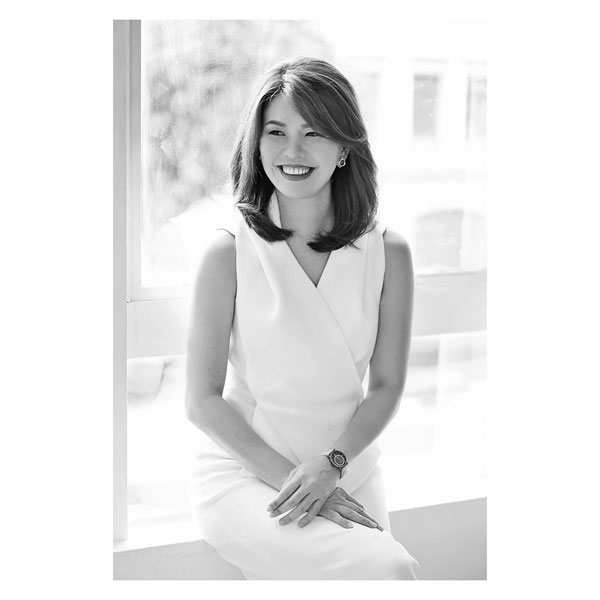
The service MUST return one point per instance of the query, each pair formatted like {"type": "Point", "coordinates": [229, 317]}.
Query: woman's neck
{"type": "Point", "coordinates": [306, 216]}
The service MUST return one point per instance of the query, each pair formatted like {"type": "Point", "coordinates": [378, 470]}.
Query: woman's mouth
{"type": "Point", "coordinates": [295, 173]}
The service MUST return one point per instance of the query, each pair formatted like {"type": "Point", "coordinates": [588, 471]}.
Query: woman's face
{"type": "Point", "coordinates": [296, 158]}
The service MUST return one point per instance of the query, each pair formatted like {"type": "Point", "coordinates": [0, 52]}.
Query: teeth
{"type": "Point", "coordinates": [295, 170]}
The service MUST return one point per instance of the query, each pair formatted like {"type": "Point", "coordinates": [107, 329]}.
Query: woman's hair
{"type": "Point", "coordinates": [327, 101]}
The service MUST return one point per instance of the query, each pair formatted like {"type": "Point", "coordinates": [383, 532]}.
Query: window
{"type": "Point", "coordinates": [436, 450]}
{"type": "Point", "coordinates": [184, 82]}
{"type": "Point", "coordinates": [476, 104]}
{"type": "Point", "coordinates": [425, 105]}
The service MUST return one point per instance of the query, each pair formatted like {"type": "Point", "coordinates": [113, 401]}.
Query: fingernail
{"type": "Point", "coordinates": [380, 527]}
{"type": "Point", "coordinates": [350, 525]}
{"type": "Point", "coordinates": [301, 524]}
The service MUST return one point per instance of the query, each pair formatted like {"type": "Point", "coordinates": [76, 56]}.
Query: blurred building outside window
{"type": "Point", "coordinates": [426, 96]}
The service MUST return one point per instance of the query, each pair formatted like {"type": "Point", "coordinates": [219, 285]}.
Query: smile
{"type": "Point", "coordinates": [295, 172]}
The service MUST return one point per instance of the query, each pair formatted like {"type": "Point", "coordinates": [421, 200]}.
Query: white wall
{"type": "Point", "coordinates": [448, 540]}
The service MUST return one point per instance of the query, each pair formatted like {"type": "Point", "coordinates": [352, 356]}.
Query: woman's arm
{"type": "Point", "coordinates": [387, 369]}
{"type": "Point", "coordinates": [211, 318]}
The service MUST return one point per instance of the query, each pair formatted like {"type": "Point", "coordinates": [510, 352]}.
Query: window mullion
{"type": "Point", "coordinates": [121, 176]}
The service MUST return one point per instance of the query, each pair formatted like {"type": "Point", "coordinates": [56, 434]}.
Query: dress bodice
{"type": "Point", "coordinates": [299, 352]}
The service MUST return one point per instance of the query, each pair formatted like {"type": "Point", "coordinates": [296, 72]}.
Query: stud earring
{"type": "Point", "coordinates": [341, 162]}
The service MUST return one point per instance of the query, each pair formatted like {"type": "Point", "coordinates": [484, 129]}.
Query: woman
{"type": "Point", "coordinates": [292, 302]}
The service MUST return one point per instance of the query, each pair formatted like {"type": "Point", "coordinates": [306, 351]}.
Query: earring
{"type": "Point", "coordinates": [341, 162]}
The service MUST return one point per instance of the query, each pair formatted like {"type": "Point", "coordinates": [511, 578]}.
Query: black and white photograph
{"type": "Point", "coordinates": [303, 287]}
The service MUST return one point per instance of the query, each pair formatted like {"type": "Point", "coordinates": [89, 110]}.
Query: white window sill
{"type": "Point", "coordinates": [152, 533]}
{"type": "Point", "coordinates": [180, 529]}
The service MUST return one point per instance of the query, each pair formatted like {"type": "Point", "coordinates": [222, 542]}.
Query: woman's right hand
{"type": "Point", "coordinates": [341, 508]}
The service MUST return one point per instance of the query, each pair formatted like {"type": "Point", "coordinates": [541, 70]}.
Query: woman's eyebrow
{"type": "Point", "coordinates": [280, 124]}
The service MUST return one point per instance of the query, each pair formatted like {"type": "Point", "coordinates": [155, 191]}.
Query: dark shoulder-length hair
{"type": "Point", "coordinates": [326, 100]}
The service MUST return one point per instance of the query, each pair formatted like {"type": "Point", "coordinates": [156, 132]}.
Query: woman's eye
{"type": "Point", "coordinates": [275, 132]}
{"type": "Point", "coordinates": [313, 134]}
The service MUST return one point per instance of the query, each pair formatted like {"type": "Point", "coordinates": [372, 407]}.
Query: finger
{"type": "Point", "coordinates": [342, 497]}
{"type": "Point", "coordinates": [285, 493]}
{"type": "Point", "coordinates": [313, 511]}
{"type": "Point", "coordinates": [347, 502]}
{"type": "Point", "coordinates": [349, 506]}
{"type": "Point", "coordinates": [355, 516]}
{"type": "Point", "coordinates": [336, 518]}
{"type": "Point", "coordinates": [347, 496]}
{"type": "Point", "coordinates": [294, 500]}
{"type": "Point", "coordinates": [300, 509]}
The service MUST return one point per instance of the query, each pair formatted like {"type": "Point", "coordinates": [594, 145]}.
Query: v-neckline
{"type": "Point", "coordinates": [276, 218]}
{"type": "Point", "coordinates": [316, 285]}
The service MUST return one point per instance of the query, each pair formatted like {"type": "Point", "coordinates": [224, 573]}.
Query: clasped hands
{"type": "Point", "coordinates": [311, 488]}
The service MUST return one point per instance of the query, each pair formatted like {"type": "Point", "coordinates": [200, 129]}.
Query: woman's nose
{"type": "Point", "coordinates": [294, 147]}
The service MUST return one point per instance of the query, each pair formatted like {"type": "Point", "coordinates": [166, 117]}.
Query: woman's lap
{"type": "Point", "coordinates": [238, 525]}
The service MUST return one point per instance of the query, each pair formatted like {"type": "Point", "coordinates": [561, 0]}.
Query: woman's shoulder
{"type": "Point", "coordinates": [220, 247]}
{"type": "Point", "coordinates": [217, 267]}
{"type": "Point", "coordinates": [398, 258]}
{"type": "Point", "coordinates": [392, 240]}
{"type": "Point", "coordinates": [215, 276]}
{"type": "Point", "coordinates": [230, 220]}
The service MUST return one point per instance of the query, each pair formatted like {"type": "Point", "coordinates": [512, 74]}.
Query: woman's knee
{"type": "Point", "coordinates": [384, 560]}
{"type": "Point", "coordinates": [404, 565]}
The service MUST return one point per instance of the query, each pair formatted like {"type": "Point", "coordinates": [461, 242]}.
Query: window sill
{"type": "Point", "coordinates": [153, 533]}
{"type": "Point", "coordinates": [180, 529]}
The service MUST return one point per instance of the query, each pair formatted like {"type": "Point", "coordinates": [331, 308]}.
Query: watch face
{"type": "Point", "coordinates": [338, 459]}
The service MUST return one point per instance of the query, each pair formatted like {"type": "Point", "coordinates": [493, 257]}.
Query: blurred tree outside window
{"type": "Point", "coordinates": [196, 77]}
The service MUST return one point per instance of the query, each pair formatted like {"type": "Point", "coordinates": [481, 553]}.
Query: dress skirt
{"type": "Point", "coordinates": [229, 505]}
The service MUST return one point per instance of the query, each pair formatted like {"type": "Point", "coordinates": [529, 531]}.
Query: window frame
{"type": "Point", "coordinates": [121, 187]}
{"type": "Point", "coordinates": [153, 321]}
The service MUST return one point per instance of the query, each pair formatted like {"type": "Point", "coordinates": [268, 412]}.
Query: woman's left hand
{"type": "Point", "coordinates": [310, 483]}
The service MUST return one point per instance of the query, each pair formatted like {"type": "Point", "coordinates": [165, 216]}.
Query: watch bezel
{"type": "Point", "coordinates": [334, 454]}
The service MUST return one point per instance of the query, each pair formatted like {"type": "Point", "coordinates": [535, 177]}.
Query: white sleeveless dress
{"type": "Point", "coordinates": [298, 356]}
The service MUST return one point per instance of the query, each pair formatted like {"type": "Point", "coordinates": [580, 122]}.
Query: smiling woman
{"type": "Point", "coordinates": [306, 114]}
{"type": "Point", "coordinates": [195, 78]}
{"type": "Point", "coordinates": [276, 359]}
{"type": "Point", "coordinates": [300, 163]}
{"type": "Point", "coordinates": [292, 151]}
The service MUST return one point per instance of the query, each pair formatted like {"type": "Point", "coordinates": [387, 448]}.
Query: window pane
{"type": "Point", "coordinates": [159, 438]}
{"type": "Point", "coordinates": [476, 106]}
{"type": "Point", "coordinates": [196, 76]}
{"type": "Point", "coordinates": [426, 90]}
{"type": "Point", "coordinates": [435, 447]}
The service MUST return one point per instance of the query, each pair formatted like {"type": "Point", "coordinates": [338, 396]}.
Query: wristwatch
{"type": "Point", "coordinates": [338, 460]}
